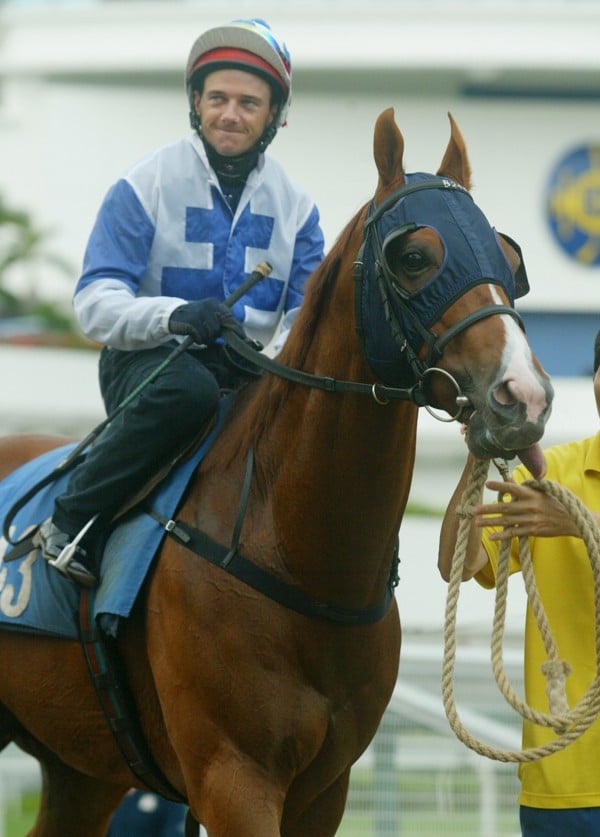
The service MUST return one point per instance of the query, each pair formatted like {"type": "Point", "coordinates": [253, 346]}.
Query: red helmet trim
{"type": "Point", "coordinates": [238, 56]}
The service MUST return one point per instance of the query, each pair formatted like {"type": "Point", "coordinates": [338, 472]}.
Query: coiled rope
{"type": "Point", "coordinates": [568, 723]}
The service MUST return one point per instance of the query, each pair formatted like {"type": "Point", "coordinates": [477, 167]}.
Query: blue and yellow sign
{"type": "Point", "coordinates": [573, 204]}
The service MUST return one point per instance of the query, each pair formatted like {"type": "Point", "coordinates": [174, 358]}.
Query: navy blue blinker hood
{"type": "Point", "coordinates": [472, 255]}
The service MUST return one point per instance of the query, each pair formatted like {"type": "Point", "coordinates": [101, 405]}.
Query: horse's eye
{"type": "Point", "coordinates": [413, 261]}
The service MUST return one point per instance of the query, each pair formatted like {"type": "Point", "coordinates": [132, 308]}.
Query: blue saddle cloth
{"type": "Point", "coordinates": [35, 597]}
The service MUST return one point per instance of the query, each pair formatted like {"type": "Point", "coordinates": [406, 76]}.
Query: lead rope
{"type": "Point", "coordinates": [569, 724]}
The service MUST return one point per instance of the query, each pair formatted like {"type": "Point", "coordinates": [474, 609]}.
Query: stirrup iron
{"type": "Point", "coordinates": [68, 553]}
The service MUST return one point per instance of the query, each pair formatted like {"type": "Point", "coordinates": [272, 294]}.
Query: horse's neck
{"type": "Point", "coordinates": [332, 471]}
{"type": "Point", "coordinates": [343, 477]}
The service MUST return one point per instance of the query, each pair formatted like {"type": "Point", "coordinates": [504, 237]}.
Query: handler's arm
{"type": "Point", "coordinates": [476, 556]}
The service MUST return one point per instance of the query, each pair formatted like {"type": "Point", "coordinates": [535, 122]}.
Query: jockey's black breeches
{"type": "Point", "coordinates": [145, 436]}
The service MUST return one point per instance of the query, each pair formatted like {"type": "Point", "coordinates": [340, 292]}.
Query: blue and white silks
{"type": "Point", "coordinates": [165, 235]}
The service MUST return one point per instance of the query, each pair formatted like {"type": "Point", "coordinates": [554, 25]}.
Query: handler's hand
{"type": "Point", "coordinates": [529, 513]}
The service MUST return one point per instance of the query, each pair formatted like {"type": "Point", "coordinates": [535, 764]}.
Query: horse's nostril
{"type": "Point", "coordinates": [526, 396]}
{"type": "Point", "coordinates": [503, 395]}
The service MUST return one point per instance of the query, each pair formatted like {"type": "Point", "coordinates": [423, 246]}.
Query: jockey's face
{"type": "Point", "coordinates": [234, 110]}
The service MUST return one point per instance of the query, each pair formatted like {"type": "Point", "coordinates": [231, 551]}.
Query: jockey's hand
{"type": "Point", "coordinates": [204, 320]}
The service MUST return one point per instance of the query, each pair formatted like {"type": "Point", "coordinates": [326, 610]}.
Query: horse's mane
{"type": "Point", "coordinates": [256, 405]}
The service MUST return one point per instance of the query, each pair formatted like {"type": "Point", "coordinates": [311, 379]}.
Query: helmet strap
{"type": "Point", "coordinates": [268, 135]}
{"type": "Point", "coordinates": [195, 119]}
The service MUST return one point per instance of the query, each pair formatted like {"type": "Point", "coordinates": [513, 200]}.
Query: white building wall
{"type": "Point", "coordinates": [86, 90]}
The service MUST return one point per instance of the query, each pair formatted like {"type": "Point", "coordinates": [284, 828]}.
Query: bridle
{"type": "Point", "coordinates": [394, 298]}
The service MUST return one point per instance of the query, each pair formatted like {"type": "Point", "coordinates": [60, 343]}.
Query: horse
{"type": "Point", "coordinates": [255, 706]}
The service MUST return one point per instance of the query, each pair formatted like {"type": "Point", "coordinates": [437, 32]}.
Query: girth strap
{"type": "Point", "coordinates": [108, 680]}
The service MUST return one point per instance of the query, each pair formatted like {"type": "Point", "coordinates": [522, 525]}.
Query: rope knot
{"type": "Point", "coordinates": [464, 512]}
{"type": "Point", "coordinates": [556, 673]}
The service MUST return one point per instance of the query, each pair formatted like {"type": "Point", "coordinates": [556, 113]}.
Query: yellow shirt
{"type": "Point", "coordinates": [571, 777]}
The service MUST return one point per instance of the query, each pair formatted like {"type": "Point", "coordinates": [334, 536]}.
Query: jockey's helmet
{"type": "Point", "coordinates": [248, 45]}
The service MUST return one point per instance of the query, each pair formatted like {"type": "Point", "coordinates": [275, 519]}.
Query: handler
{"type": "Point", "coordinates": [173, 238]}
{"type": "Point", "coordinates": [560, 794]}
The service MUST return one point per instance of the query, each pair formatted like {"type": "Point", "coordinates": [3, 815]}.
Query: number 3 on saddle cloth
{"type": "Point", "coordinates": [34, 597]}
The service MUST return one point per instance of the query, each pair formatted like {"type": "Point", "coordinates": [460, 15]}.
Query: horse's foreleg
{"type": "Point", "coordinates": [193, 828]}
{"type": "Point", "coordinates": [324, 814]}
{"type": "Point", "coordinates": [73, 804]}
{"type": "Point", "coordinates": [237, 799]}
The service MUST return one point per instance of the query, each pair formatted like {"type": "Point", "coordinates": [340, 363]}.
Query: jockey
{"type": "Point", "coordinates": [174, 237]}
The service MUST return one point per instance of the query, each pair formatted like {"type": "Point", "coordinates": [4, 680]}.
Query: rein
{"type": "Point", "coordinates": [568, 723]}
{"type": "Point", "coordinates": [381, 393]}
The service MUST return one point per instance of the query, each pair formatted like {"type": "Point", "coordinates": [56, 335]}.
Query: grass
{"type": "Point", "coordinates": [20, 815]}
{"type": "Point", "coordinates": [453, 825]}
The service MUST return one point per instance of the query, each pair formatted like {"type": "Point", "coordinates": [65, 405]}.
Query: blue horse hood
{"type": "Point", "coordinates": [472, 255]}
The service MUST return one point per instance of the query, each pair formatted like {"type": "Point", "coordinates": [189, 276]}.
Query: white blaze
{"type": "Point", "coordinates": [521, 380]}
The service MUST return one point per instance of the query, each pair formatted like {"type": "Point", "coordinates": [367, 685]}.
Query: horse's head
{"type": "Point", "coordinates": [435, 300]}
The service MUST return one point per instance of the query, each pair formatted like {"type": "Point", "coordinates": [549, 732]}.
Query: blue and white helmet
{"type": "Point", "coordinates": [248, 45]}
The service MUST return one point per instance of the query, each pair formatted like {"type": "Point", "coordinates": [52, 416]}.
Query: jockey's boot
{"type": "Point", "coordinates": [66, 552]}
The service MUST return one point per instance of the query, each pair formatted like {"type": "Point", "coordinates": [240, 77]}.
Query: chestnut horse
{"type": "Point", "coordinates": [255, 710]}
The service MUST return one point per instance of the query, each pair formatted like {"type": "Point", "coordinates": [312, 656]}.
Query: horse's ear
{"type": "Point", "coordinates": [456, 162]}
{"type": "Point", "coordinates": [388, 150]}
